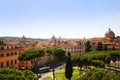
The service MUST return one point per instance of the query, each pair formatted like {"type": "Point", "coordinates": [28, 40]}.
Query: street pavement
{"type": "Point", "coordinates": [50, 73]}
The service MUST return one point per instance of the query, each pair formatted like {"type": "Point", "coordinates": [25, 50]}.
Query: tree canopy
{"type": "Point", "coordinates": [57, 53]}
{"type": "Point", "coordinates": [96, 58]}
{"type": "Point", "coordinates": [99, 46]}
{"type": "Point", "coordinates": [14, 74]}
{"type": "Point", "coordinates": [87, 46]}
{"type": "Point", "coordinates": [31, 54]}
{"type": "Point", "coordinates": [99, 74]}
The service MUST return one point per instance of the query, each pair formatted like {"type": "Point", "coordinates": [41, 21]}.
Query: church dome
{"type": "Point", "coordinates": [110, 34]}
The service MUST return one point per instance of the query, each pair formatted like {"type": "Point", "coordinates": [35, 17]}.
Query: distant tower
{"type": "Point", "coordinates": [84, 38]}
{"type": "Point", "coordinates": [53, 40]}
{"type": "Point", "coordinates": [60, 39]}
{"type": "Point", "coordinates": [110, 34]}
{"type": "Point", "coordinates": [24, 38]}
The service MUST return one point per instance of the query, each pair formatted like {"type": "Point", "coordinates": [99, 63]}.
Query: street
{"type": "Point", "coordinates": [50, 73]}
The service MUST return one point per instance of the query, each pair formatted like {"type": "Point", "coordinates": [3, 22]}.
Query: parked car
{"type": "Point", "coordinates": [39, 75]}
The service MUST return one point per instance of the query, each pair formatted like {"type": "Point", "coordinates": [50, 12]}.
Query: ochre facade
{"type": "Point", "coordinates": [9, 55]}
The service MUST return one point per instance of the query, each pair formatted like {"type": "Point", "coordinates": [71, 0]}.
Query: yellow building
{"type": "Point", "coordinates": [74, 47]}
{"type": "Point", "coordinates": [9, 55]}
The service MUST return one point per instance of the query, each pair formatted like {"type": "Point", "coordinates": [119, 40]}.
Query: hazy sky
{"type": "Point", "coordinates": [65, 18]}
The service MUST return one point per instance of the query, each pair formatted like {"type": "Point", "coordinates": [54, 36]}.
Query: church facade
{"type": "Point", "coordinates": [109, 40]}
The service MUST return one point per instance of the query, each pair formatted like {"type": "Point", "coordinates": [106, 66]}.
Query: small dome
{"type": "Point", "coordinates": [110, 34]}
{"type": "Point", "coordinates": [53, 38]}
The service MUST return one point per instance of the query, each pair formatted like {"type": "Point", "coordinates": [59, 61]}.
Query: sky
{"type": "Point", "coordinates": [65, 18]}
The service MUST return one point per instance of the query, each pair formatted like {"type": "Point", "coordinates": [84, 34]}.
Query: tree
{"type": "Point", "coordinates": [99, 74]}
{"type": "Point", "coordinates": [99, 46]}
{"type": "Point", "coordinates": [14, 74]}
{"type": "Point", "coordinates": [105, 48]}
{"type": "Point", "coordinates": [87, 46]}
{"type": "Point", "coordinates": [68, 67]}
{"type": "Point", "coordinates": [31, 54]}
{"type": "Point", "coordinates": [1, 42]}
{"type": "Point", "coordinates": [113, 48]}
{"type": "Point", "coordinates": [114, 56]}
{"type": "Point", "coordinates": [98, 63]}
{"type": "Point", "coordinates": [56, 55]}
{"type": "Point", "coordinates": [78, 61]}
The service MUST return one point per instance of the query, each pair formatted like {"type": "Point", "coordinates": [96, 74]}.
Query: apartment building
{"type": "Point", "coordinates": [9, 55]}
{"type": "Point", "coordinates": [74, 47]}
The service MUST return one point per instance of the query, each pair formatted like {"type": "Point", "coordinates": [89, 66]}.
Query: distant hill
{"type": "Point", "coordinates": [38, 39]}
{"type": "Point", "coordinates": [19, 38]}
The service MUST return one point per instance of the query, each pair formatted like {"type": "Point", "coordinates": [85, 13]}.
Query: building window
{"type": "Point", "coordinates": [2, 48]}
{"type": "Point", "coordinates": [15, 53]}
{"type": "Point", "coordinates": [7, 47]}
{"type": "Point", "coordinates": [71, 47]}
{"type": "Point", "coordinates": [11, 54]}
{"type": "Point", "coordinates": [1, 64]}
{"type": "Point", "coordinates": [15, 61]}
{"type": "Point", "coordinates": [68, 48]}
{"type": "Point", "coordinates": [1, 55]}
{"type": "Point", "coordinates": [74, 47]}
{"type": "Point", "coordinates": [7, 54]}
{"type": "Point", "coordinates": [11, 47]}
{"type": "Point", "coordinates": [7, 63]}
{"type": "Point", "coordinates": [15, 47]}
{"type": "Point", "coordinates": [11, 62]}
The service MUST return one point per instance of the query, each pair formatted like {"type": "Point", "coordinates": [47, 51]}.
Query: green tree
{"type": "Point", "coordinates": [99, 74]}
{"type": "Point", "coordinates": [113, 48]}
{"type": "Point", "coordinates": [105, 48]}
{"type": "Point", "coordinates": [114, 56]}
{"type": "Point", "coordinates": [56, 55]}
{"type": "Point", "coordinates": [78, 61]}
{"type": "Point", "coordinates": [87, 46]}
{"type": "Point", "coordinates": [98, 63]}
{"type": "Point", "coordinates": [31, 54]}
{"type": "Point", "coordinates": [1, 42]}
{"type": "Point", "coordinates": [14, 74]}
{"type": "Point", "coordinates": [68, 67]}
{"type": "Point", "coordinates": [82, 60]}
{"type": "Point", "coordinates": [99, 46]}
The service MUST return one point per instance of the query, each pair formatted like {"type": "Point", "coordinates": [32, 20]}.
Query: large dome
{"type": "Point", "coordinates": [110, 34]}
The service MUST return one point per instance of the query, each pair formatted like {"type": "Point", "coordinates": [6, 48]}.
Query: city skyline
{"type": "Point", "coordinates": [65, 18]}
